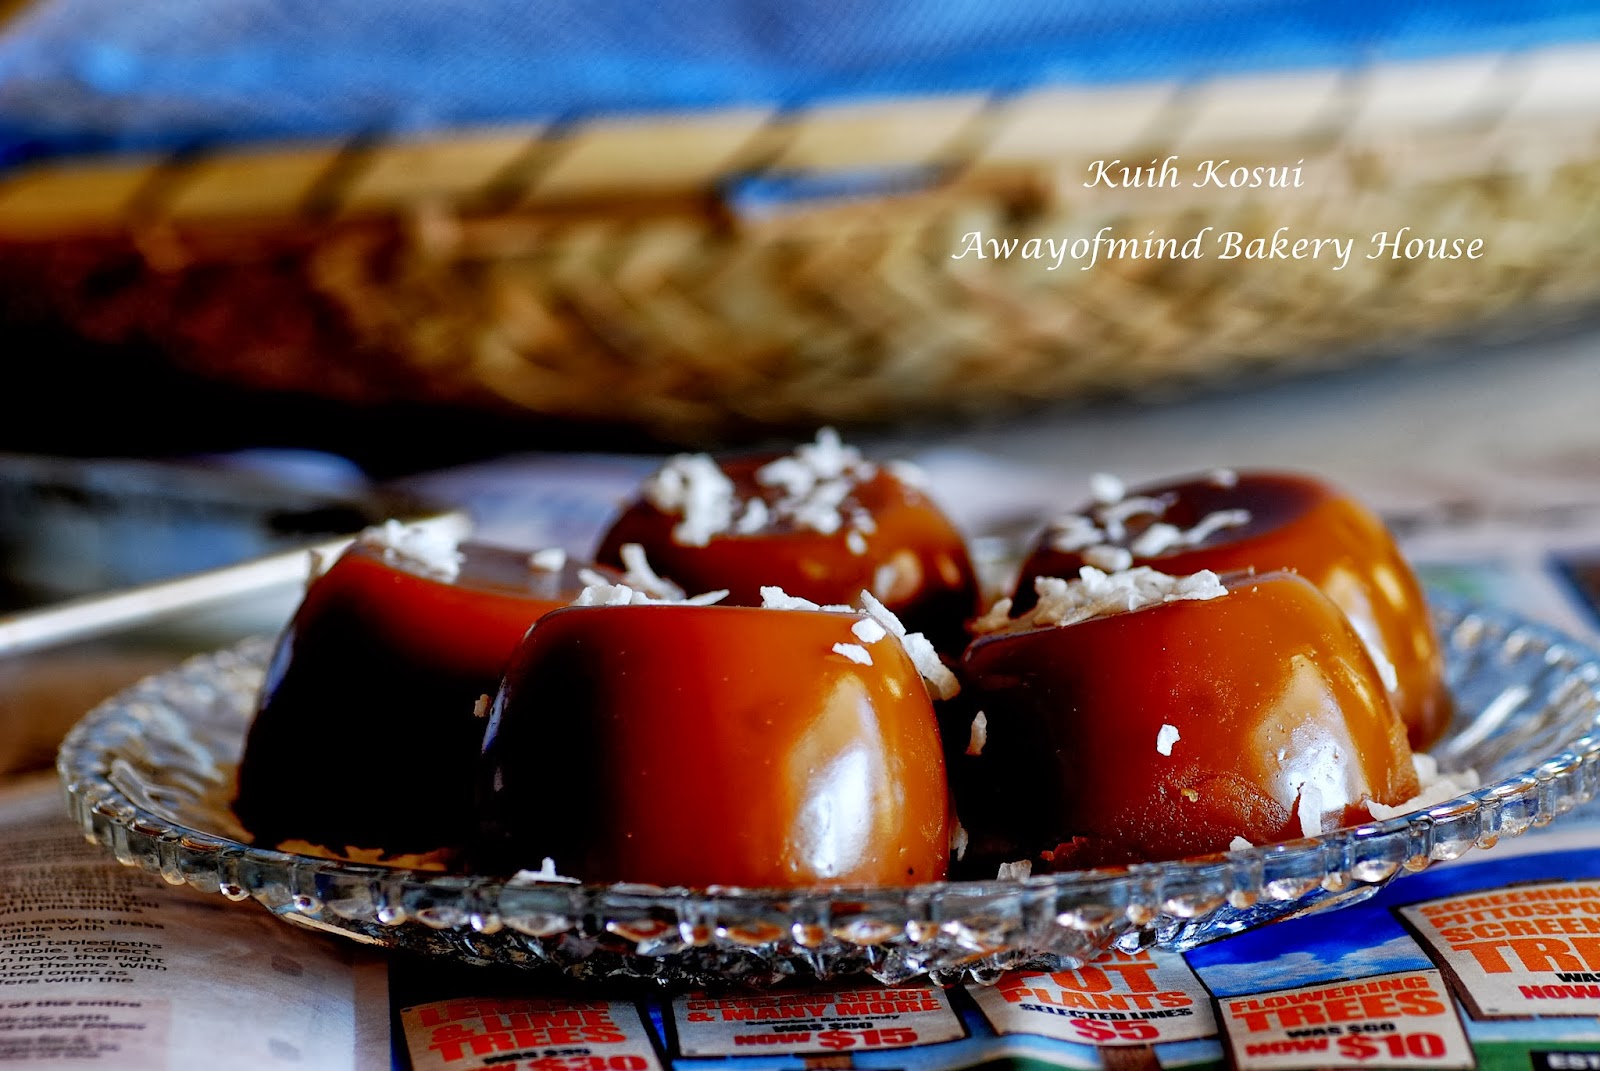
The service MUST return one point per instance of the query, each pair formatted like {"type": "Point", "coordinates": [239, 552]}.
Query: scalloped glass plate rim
{"type": "Point", "coordinates": [70, 765]}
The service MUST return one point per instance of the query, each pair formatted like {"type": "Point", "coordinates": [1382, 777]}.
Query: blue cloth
{"type": "Point", "coordinates": [97, 75]}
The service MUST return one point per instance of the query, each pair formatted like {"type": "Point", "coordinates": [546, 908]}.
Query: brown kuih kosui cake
{"type": "Point", "coordinates": [371, 719]}
{"type": "Point", "coordinates": [482, 708]}
{"type": "Point", "coordinates": [1264, 521]}
{"type": "Point", "coordinates": [820, 523]}
{"type": "Point", "coordinates": [1142, 716]}
{"type": "Point", "coordinates": [715, 745]}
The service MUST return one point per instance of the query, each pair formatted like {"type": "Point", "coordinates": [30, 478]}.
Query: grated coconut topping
{"type": "Point", "coordinates": [1098, 594]}
{"type": "Point", "coordinates": [1106, 488]}
{"type": "Point", "coordinates": [1166, 738]}
{"type": "Point", "coordinates": [695, 488]}
{"type": "Point", "coordinates": [1309, 811]}
{"type": "Point", "coordinates": [1434, 788]}
{"type": "Point", "coordinates": [811, 486]}
{"type": "Point", "coordinates": [548, 560]}
{"type": "Point", "coordinates": [1102, 536]}
{"type": "Point", "coordinates": [1110, 559]}
{"type": "Point", "coordinates": [640, 586]}
{"type": "Point", "coordinates": [854, 652]}
{"type": "Point", "coordinates": [868, 631]}
{"type": "Point", "coordinates": [880, 622]}
{"type": "Point", "coordinates": [1114, 517]}
{"type": "Point", "coordinates": [427, 549]}
{"type": "Point", "coordinates": [941, 682]}
{"type": "Point", "coordinates": [775, 598]}
{"type": "Point", "coordinates": [1161, 537]}
{"type": "Point", "coordinates": [1021, 869]}
{"type": "Point", "coordinates": [641, 577]}
{"type": "Point", "coordinates": [979, 735]}
{"type": "Point", "coordinates": [545, 873]}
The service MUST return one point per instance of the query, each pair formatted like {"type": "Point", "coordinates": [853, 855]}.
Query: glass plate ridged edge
{"type": "Point", "coordinates": [143, 769]}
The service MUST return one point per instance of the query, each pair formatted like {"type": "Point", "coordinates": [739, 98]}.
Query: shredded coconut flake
{"type": "Point", "coordinates": [1017, 871]}
{"type": "Point", "coordinates": [979, 735]}
{"type": "Point", "coordinates": [1105, 530]}
{"type": "Point", "coordinates": [754, 517]}
{"type": "Point", "coordinates": [854, 652]}
{"type": "Point", "coordinates": [809, 489]}
{"type": "Point", "coordinates": [1114, 517]}
{"type": "Point", "coordinates": [775, 598]}
{"type": "Point", "coordinates": [868, 631]}
{"type": "Point", "coordinates": [909, 473]}
{"type": "Point", "coordinates": [1309, 811]}
{"type": "Point", "coordinates": [958, 838]}
{"type": "Point", "coordinates": [1161, 537]}
{"type": "Point", "coordinates": [695, 488]}
{"type": "Point", "coordinates": [814, 482]}
{"type": "Point", "coordinates": [597, 592]}
{"type": "Point", "coordinates": [1106, 488]}
{"type": "Point", "coordinates": [641, 577]}
{"type": "Point", "coordinates": [600, 592]}
{"type": "Point", "coordinates": [941, 682]}
{"type": "Point", "coordinates": [881, 621]}
{"type": "Point", "coordinates": [1111, 559]}
{"type": "Point", "coordinates": [428, 549]}
{"type": "Point", "coordinates": [1166, 738]}
{"type": "Point", "coordinates": [997, 619]}
{"type": "Point", "coordinates": [548, 560]}
{"type": "Point", "coordinates": [1239, 844]}
{"type": "Point", "coordinates": [884, 578]}
{"type": "Point", "coordinates": [1098, 594]}
{"type": "Point", "coordinates": [1434, 788]}
{"type": "Point", "coordinates": [1215, 521]}
{"type": "Point", "coordinates": [640, 586]}
{"type": "Point", "coordinates": [1074, 532]}
{"type": "Point", "coordinates": [545, 873]}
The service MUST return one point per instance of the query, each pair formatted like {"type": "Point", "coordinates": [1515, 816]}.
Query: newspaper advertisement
{"type": "Point", "coordinates": [528, 1034]}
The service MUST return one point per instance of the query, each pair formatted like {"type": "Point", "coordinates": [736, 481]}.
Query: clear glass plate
{"type": "Point", "coordinates": [149, 774]}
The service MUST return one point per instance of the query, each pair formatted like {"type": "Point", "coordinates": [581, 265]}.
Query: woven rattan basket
{"type": "Point", "coordinates": [715, 274]}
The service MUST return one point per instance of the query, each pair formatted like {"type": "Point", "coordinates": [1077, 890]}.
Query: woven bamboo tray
{"type": "Point", "coordinates": [623, 273]}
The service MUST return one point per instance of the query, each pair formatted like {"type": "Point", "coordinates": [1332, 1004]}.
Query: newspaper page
{"type": "Point", "coordinates": [108, 968]}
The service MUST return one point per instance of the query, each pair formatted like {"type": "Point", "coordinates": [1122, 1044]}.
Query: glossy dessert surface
{"type": "Point", "coordinates": [1170, 730]}
{"type": "Point", "coordinates": [1289, 522]}
{"type": "Point", "coordinates": [690, 745]}
{"type": "Point", "coordinates": [366, 737]}
{"type": "Point", "coordinates": [891, 540]}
